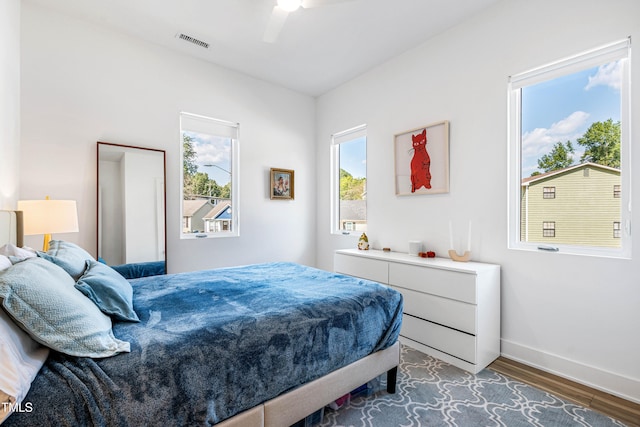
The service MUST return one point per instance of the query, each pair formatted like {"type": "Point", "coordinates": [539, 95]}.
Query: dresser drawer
{"type": "Point", "coordinates": [454, 314]}
{"type": "Point", "coordinates": [365, 268]}
{"type": "Point", "coordinates": [450, 341]}
{"type": "Point", "coordinates": [441, 282]}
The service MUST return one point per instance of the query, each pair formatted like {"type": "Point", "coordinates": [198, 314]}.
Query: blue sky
{"type": "Point", "coordinates": [562, 109]}
{"type": "Point", "coordinates": [215, 151]}
{"type": "Point", "coordinates": [353, 157]}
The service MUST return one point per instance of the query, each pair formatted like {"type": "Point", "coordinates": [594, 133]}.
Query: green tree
{"type": "Point", "coordinates": [602, 144]}
{"type": "Point", "coordinates": [189, 166]}
{"type": "Point", "coordinates": [560, 157]}
{"type": "Point", "coordinates": [225, 191]}
{"type": "Point", "coordinates": [351, 188]}
{"type": "Point", "coordinates": [189, 156]}
{"type": "Point", "coordinates": [203, 186]}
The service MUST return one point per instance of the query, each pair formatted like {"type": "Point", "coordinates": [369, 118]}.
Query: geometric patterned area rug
{"type": "Point", "coordinates": [431, 392]}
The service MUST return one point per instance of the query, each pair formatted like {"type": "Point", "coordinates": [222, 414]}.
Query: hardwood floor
{"type": "Point", "coordinates": [615, 407]}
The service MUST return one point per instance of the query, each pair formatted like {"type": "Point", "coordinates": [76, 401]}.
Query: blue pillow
{"type": "Point", "coordinates": [137, 270]}
{"type": "Point", "coordinates": [108, 290]}
{"type": "Point", "coordinates": [71, 257]}
{"type": "Point", "coordinates": [41, 298]}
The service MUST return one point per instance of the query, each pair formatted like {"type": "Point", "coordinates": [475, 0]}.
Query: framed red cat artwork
{"type": "Point", "coordinates": [422, 160]}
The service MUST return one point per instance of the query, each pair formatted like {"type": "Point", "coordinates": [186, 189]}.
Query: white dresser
{"type": "Point", "coordinates": [451, 309]}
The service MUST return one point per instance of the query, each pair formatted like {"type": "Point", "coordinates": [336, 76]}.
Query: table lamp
{"type": "Point", "coordinates": [48, 217]}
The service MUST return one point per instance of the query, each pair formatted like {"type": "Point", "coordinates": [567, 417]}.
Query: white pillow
{"type": "Point", "coordinates": [10, 250]}
{"type": "Point", "coordinates": [4, 262]}
{"type": "Point", "coordinates": [20, 360]}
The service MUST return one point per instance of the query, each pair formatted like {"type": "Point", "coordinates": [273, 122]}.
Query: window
{"type": "Point", "coordinates": [616, 191]}
{"type": "Point", "coordinates": [549, 193]}
{"type": "Point", "coordinates": [569, 127]}
{"type": "Point", "coordinates": [616, 230]}
{"type": "Point", "coordinates": [349, 181]}
{"type": "Point", "coordinates": [209, 193]}
{"type": "Point", "coordinates": [549, 229]}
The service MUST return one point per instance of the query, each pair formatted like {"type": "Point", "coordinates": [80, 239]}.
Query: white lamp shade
{"type": "Point", "coordinates": [49, 216]}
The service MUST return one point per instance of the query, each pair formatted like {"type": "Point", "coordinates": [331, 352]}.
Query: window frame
{"type": "Point", "coordinates": [617, 230]}
{"type": "Point", "coordinates": [595, 57]}
{"type": "Point", "coordinates": [338, 138]}
{"type": "Point", "coordinates": [550, 227]}
{"type": "Point", "coordinates": [548, 192]}
{"type": "Point", "coordinates": [235, 174]}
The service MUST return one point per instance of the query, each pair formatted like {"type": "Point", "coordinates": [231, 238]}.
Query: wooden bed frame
{"type": "Point", "coordinates": [296, 404]}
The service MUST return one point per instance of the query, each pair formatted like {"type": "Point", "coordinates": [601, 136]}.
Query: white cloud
{"type": "Point", "coordinates": [540, 141]}
{"type": "Point", "coordinates": [212, 150]}
{"type": "Point", "coordinates": [570, 125]}
{"type": "Point", "coordinates": [607, 75]}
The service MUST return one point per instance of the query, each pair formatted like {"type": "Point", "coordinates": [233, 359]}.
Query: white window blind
{"type": "Point", "coordinates": [208, 126]}
{"type": "Point", "coordinates": [592, 58]}
{"type": "Point", "coordinates": [349, 134]}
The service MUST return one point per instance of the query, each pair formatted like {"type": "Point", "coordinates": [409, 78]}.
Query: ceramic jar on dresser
{"type": "Point", "coordinates": [451, 309]}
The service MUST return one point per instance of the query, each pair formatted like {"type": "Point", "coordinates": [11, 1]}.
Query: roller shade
{"type": "Point", "coordinates": [349, 134]}
{"type": "Point", "coordinates": [205, 125]}
{"type": "Point", "coordinates": [605, 54]}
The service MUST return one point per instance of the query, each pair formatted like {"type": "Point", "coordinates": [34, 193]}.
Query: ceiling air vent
{"type": "Point", "coordinates": [193, 40]}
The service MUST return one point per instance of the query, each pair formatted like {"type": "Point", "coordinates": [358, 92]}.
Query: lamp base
{"type": "Point", "coordinates": [45, 243]}
{"type": "Point", "coordinates": [460, 258]}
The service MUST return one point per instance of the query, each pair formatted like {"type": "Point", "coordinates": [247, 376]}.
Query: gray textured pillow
{"type": "Point", "coordinates": [111, 292]}
{"type": "Point", "coordinates": [41, 298]}
{"type": "Point", "coordinates": [71, 257]}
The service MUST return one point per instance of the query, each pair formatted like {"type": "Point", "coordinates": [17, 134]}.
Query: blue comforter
{"type": "Point", "coordinates": [211, 344]}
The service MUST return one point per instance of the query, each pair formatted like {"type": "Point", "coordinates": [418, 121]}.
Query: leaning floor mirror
{"type": "Point", "coordinates": [131, 207]}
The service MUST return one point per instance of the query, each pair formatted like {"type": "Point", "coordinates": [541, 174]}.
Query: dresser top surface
{"type": "Point", "coordinates": [438, 262]}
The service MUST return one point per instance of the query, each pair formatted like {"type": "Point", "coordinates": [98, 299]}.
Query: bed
{"type": "Point", "coordinates": [259, 345]}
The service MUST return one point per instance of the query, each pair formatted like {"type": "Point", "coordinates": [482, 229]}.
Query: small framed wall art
{"type": "Point", "coordinates": [422, 160]}
{"type": "Point", "coordinates": [282, 184]}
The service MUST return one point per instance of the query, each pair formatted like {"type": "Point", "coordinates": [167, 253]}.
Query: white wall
{"type": "Point", "coordinates": [82, 84]}
{"type": "Point", "coordinates": [576, 316]}
{"type": "Point", "coordinates": [9, 102]}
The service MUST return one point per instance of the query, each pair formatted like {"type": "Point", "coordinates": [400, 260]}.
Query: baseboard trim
{"type": "Point", "coordinates": [608, 382]}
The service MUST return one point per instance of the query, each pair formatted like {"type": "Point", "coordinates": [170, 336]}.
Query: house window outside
{"type": "Point", "coordinates": [349, 181]}
{"type": "Point", "coordinates": [569, 127]}
{"type": "Point", "coordinates": [549, 229]}
{"type": "Point", "coordinates": [549, 192]}
{"type": "Point", "coordinates": [210, 185]}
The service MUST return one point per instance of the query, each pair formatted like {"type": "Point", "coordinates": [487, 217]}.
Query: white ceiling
{"type": "Point", "coordinates": [317, 50]}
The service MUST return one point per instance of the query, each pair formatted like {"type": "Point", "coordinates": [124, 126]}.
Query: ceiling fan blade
{"type": "Point", "coordinates": [275, 24]}
{"type": "Point", "coordinates": [307, 4]}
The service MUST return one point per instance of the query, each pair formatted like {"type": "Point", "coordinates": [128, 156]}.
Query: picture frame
{"type": "Point", "coordinates": [421, 158]}
{"type": "Point", "coordinates": [282, 184]}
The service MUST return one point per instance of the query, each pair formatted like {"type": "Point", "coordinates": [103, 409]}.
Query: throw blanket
{"type": "Point", "coordinates": [211, 344]}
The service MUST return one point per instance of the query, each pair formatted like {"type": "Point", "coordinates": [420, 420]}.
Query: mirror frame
{"type": "Point", "coordinates": [164, 167]}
